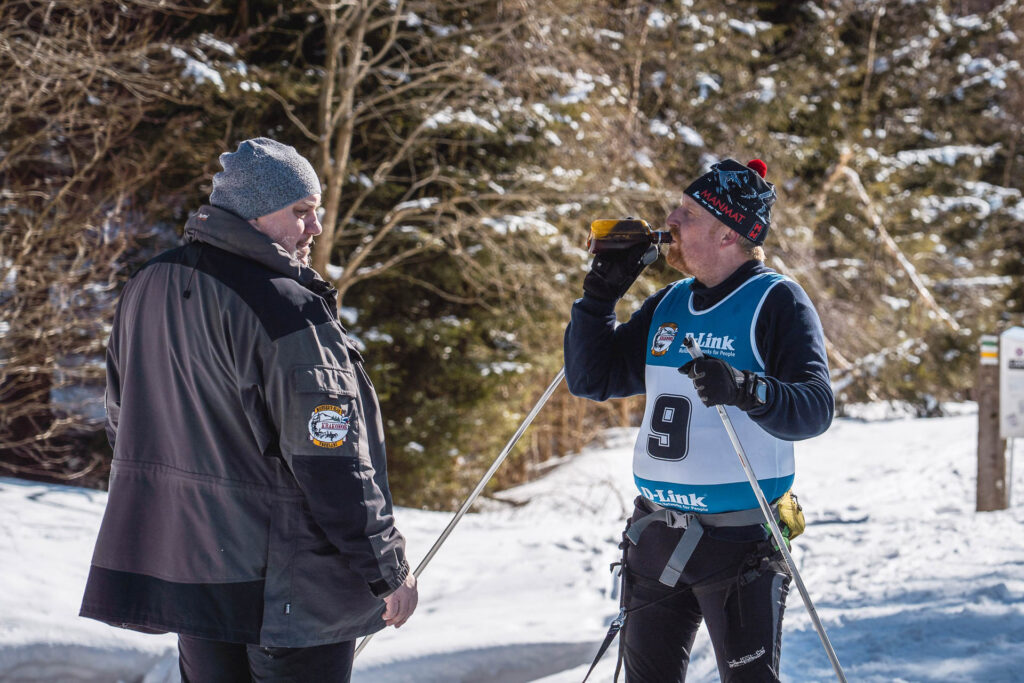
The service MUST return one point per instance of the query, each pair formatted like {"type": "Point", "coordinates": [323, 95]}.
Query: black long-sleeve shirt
{"type": "Point", "coordinates": [604, 360]}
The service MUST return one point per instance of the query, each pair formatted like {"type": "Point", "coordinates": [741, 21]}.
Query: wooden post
{"type": "Point", "coordinates": [991, 448]}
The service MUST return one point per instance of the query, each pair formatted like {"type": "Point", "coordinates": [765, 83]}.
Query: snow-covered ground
{"type": "Point", "coordinates": [910, 582]}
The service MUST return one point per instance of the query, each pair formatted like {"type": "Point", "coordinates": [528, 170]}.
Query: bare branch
{"type": "Point", "coordinates": [289, 111]}
{"type": "Point", "coordinates": [896, 252]}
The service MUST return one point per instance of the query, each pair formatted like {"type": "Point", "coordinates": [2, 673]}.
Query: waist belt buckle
{"type": "Point", "coordinates": [680, 520]}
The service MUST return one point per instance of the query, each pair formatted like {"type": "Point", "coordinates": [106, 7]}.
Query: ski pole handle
{"type": "Point", "coordinates": [691, 345]}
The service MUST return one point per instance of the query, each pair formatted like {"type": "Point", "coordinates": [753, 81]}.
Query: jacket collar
{"type": "Point", "coordinates": [706, 297]}
{"type": "Point", "coordinates": [225, 230]}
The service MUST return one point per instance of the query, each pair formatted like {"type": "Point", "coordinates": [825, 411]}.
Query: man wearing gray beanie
{"type": "Point", "coordinates": [249, 509]}
{"type": "Point", "coordinates": [261, 182]}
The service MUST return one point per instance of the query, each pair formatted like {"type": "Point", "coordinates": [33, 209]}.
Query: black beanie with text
{"type": "Point", "coordinates": [738, 196]}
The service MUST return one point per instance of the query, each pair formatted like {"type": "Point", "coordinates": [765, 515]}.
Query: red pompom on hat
{"type": "Point", "coordinates": [759, 166]}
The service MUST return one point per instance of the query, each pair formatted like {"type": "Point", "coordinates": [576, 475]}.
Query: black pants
{"type": "Point", "coordinates": [211, 661]}
{"type": "Point", "coordinates": [735, 582]}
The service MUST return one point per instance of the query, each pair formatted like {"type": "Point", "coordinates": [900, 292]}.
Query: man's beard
{"type": "Point", "coordinates": [678, 261]}
{"type": "Point", "coordinates": [304, 259]}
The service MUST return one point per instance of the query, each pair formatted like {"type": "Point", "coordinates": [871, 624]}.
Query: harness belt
{"type": "Point", "coordinates": [693, 523]}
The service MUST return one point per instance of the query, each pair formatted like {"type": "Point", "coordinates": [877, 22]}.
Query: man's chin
{"type": "Point", "coordinates": [677, 263]}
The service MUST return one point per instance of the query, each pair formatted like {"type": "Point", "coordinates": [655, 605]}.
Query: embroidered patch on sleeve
{"type": "Point", "coordinates": [328, 426]}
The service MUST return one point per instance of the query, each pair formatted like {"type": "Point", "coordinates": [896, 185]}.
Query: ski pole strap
{"type": "Point", "coordinates": [693, 523]}
{"type": "Point", "coordinates": [613, 631]}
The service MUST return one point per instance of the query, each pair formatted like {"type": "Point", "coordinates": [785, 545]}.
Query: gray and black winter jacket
{"type": "Point", "coordinates": [248, 497]}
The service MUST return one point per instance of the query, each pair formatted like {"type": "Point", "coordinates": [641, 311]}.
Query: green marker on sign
{"type": "Point", "coordinates": [989, 350]}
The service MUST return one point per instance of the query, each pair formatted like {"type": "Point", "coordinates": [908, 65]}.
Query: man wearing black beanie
{"type": "Point", "coordinates": [696, 547]}
{"type": "Point", "coordinates": [249, 509]}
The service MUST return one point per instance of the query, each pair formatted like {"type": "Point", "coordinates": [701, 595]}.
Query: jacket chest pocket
{"type": "Point", "coordinates": [326, 417]}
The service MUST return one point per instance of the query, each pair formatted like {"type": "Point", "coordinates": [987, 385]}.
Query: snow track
{"type": "Point", "coordinates": [518, 663]}
{"type": "Point", "coordinates": [73, 663]}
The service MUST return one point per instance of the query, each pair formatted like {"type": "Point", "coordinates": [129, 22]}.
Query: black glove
{"type": "Point", "coordinates": [615, 270]}
{"type": "Point", "coordinates": [719, 383]}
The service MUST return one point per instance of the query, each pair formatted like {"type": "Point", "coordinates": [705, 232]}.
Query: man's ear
{"type": "Point", "coordinates": [729, 237]}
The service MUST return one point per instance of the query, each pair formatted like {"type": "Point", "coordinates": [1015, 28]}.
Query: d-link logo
{"type": "Point", "coordinates": [663, 497]}
{"type": "Point", "coordinates": [705, 340]}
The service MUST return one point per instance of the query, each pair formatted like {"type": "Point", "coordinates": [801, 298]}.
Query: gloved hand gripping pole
{"type": "Point", "coordinates": [691, 345]}
{"type": "Point", "coordinates": [480, 486]}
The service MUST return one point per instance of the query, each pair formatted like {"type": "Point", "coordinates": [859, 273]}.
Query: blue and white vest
{"type": "Point", "coordinates": [683, 457]}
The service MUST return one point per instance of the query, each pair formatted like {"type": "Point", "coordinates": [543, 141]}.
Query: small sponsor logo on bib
{"type": "Point", "coordinates": [667, 496]}
{"type": "Point", "coordinates": [663, 339]}
{"type": "Point", "coordinates": [328, 426]}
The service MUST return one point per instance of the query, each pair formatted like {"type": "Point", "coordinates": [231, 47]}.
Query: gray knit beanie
{"type": "Point", "coordinates": [261, 177]}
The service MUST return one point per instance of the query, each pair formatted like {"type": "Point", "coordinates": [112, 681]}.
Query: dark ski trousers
{"type": "Point", "coordinates": [736, 582]}
{"type": "Point", "coordinates": [212, 661]}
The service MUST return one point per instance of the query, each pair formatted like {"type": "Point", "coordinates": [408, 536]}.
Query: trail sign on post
{"type": "Point", "coordinates": [1011, 394]}
{"type": "Point", "coordinates": [991, 487]}
{"type": "Point", "coordinates": [1011, 383]}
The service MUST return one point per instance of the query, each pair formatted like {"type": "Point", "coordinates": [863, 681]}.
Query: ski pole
{"type": "Point", "coordinates": [480, 486]}
{"type": "Point", "coordinates": [691, 345]}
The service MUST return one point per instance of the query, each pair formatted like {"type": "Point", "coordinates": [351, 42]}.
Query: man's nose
{"type": "Point", "coordinates": [313, 226]}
